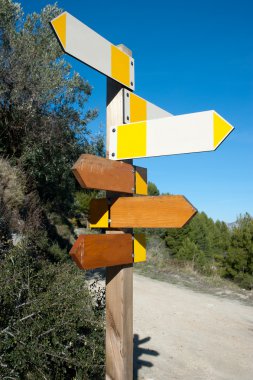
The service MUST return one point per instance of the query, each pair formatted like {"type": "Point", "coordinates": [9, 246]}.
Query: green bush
{"type": "Point", "coordinates": [48, 324]}
{"type": "Point", "coordinates": [50, 327]}
{"type": "Point", "coordinates": [244, 280]}
{"type": "Point", "coordinates": [189, 251]}
{"type": "Point", "coordinates": [238, 261]}
{"type": "Point", "coordinates": [82, 201]}
{"type": "Point", "coordinates": [57, 253]}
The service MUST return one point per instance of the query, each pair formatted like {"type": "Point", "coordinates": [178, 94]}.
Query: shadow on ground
{"type": "Point", "coordinates": [139, 351]}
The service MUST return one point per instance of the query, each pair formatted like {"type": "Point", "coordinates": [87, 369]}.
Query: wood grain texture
{"type": "Point", "coordinates": [94, 172]}
{"type": "Point", "coordinates": [119, 323]}
{"type": "Point", "coordinates": [165, 211]}
{"type": "Point", "coordinates": [119, 279]}
{"type": "Point", "coordinates": [168, 211]}
{"type": "Point", "coordinates": [97, 251]}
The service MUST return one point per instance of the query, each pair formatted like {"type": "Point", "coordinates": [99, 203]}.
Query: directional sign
{"type": "Point", "coordinates": [146, 131]}
{"type": "Point", "coordinates": [139, 109]}
{"type": "Point", "coordinates": [194, 132]}
{"type": "Point", "coordinates": [94, 172]}
{"type": "Point", "coordinates": [78, 40]}
{"type": "Point", "coordinates": [96, 251]}
{"type": "Point", "coordinates": [167, 211]}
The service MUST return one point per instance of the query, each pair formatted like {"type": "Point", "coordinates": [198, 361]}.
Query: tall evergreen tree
{"type": "Point", "coordinates": [153, 189]}
{"type": "Point", "coordinates": [238, 262]}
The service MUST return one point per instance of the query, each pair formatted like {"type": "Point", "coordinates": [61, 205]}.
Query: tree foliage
{"type": "Point", "coordinates": [152, 189]}
{"type": "Point", "coordinates": [43, 113]}
{"type": "Point", "coordinates": [20, 211]}
{"type": "Point", "coordinates": [212, 247]}
{"type": "Point", "coordinates": [49, 325]}
{"type": "Point", "coordinates": [238, 262]}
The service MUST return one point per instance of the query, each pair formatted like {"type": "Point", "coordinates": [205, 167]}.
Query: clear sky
{"type": "Point", "coordinates": [189, 56]}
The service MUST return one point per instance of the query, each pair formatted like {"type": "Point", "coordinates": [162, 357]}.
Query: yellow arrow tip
{"type": "Point", "coordinates": [221, 129]}
{"type": "Point", "coordinates": [59, 25]}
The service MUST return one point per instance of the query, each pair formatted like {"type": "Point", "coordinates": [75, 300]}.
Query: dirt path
{"type": "Point", "coordinates": [184, 335]}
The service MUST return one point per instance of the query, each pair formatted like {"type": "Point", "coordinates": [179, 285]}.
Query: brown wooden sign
{"type": "Point", "coordinates": [96, 251]}
{"type": "Point", "coordinates": [166, 211]}
{"type": "Point", "coordinates": [94, 172]}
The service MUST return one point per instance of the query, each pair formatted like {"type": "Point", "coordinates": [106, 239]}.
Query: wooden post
{"type": "Point", "coordinates": [119, 279]}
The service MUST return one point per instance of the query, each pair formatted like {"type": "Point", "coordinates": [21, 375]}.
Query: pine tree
{"type": "Point", "coordinates": [238, 262]}
{"type": "Point", "coordinates": [189, 251]}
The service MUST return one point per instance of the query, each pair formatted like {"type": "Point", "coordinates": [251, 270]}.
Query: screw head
{"type": "Point", "coordinates": [132, 84]}
{"type": "Point", "coordinates": [127, 94]}
{"type": "Point", "coordinates": [127, 117]}
{"type": "Point", "coordinates": [132, 63]}
{"type": "Point", "coordinates": [113, 154]}
{"type": "Point", "coordinates": [114, 130]}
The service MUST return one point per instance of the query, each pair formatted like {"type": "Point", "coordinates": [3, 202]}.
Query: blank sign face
{"type": "Point", "coordinates": [139, 109]}
{"type": "Point", "coordinates": [83, 43]}
{"type": "Point", "coordinates": [195, 132]}
{"type": "Point", "coordinates": [167, 211]}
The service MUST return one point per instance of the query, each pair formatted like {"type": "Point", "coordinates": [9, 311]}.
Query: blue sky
{"type": "Point", "coordinates": [189, 56]}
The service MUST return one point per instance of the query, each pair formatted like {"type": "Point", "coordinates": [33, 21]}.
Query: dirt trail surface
{"type": "Point", "coordinates": [181, 334]}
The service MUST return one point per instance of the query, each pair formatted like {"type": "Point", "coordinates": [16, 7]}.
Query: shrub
{"type": "Point", "coordinates": [49, 325]}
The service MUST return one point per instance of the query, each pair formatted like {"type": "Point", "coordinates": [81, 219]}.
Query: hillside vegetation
{"type": "Point", "coordinates": [208, 247]}
{"type": "Point", "coordinates": [50, 327]}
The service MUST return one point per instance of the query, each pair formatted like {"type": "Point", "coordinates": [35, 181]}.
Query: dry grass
{"type": "Point", "coordinates": [161, 266]}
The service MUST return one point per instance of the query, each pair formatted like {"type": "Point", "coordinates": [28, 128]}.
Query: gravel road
{"type": "Point", "coordinates": [180, 334]}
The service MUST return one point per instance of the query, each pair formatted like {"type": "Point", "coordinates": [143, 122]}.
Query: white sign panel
{"type": "Point", "coordinates": [195, 132]}
{"type": "Point", "coordinates": [81, 42]}
{"type": "Point", "coordinates": [139, 109]}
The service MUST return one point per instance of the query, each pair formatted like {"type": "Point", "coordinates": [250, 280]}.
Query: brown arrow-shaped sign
{"type": "Point", "coordinates": [166, 211]}
{"type": "Point", "coordinates": [94, 172]}
{"type": "Point", "coordinates": [96, 251]}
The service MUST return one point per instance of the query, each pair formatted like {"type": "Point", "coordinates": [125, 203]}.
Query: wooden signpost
{"type": "Point", "coordinates": [135, 128]}
{"type": "Point", "coordinates": [119, 279]}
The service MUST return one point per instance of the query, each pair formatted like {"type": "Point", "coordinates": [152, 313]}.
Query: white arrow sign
{"type": "Point", "coordinates": [78, 40]}
{"type": "Point", "coordinates": [138, 109]}
{"type": "Point", "coordinates": [194, 132]}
